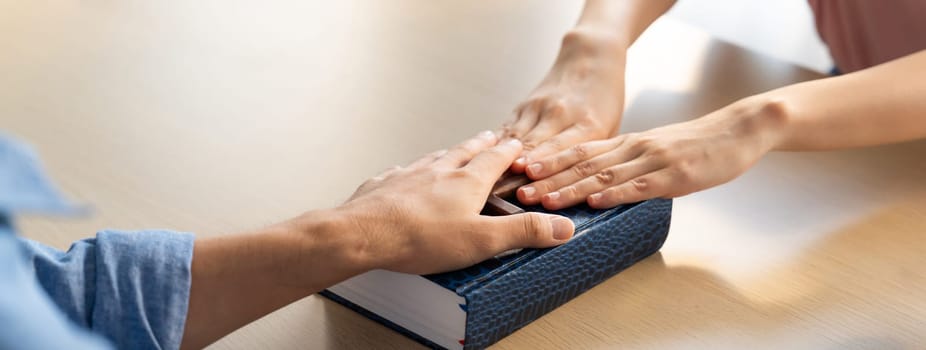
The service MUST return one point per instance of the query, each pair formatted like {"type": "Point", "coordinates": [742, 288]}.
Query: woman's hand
{"type": "Point", "coordinates": [581, 98]}
{"type": "Point", "coordinates": [669, 161]}
{"type": "Point", "coordinates": [424, 218]}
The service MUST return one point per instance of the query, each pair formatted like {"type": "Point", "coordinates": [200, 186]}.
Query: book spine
{"type": "Point", "coordinates": [599, 251]}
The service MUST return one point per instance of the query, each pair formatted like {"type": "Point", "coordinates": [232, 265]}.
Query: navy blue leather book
{"type": "Point", "coordinates": [475, 307]}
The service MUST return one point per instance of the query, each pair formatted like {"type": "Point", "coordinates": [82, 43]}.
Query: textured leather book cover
{"type": "Point", "coordinates": [506, 293]}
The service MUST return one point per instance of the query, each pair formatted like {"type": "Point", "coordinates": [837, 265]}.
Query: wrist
{"type": "Point", "coordinates": [763, 119]}
{"type": "Point", "coordinates": [584, 42]}
{"type": "Point", "coordinates": [332, 237]}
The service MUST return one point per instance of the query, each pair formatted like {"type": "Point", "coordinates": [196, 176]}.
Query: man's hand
{"type": "Point", "coordinates": [581, 98]}
{"type": "Point", "coordinates": [424, 218]}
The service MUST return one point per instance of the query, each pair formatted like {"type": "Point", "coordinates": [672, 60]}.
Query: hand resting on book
{"type": "Point", "coordinates": [424, 218]}
{"type": "Point", "coordinates": [420, 219]}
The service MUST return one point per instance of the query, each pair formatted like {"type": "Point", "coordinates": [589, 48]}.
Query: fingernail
{"type": "Point", "coordinates": [595, 197]}
{"type": "Point", "coordinates": [515, 142]}
{"type": "Point", "coordinates": [562, 228]}
{"type": "Point", "coordinates": [487, 134]}
{"type": "Point", "coordinates": [553, 196]}
{"type": "Point", "coordinates": [535, 168]}
{"type": "Point", "coordinates": [528, 191]}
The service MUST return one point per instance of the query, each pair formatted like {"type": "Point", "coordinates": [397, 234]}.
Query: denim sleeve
{"type": "Point", "coordinates": [29, 319]}
{"type": "Point", "coordinates": [131, 287]}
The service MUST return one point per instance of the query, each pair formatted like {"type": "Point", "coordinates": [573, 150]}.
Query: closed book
{"type": "Point", "coordinates": [475, 307]}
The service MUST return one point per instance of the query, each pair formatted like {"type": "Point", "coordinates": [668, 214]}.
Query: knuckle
{"type": "Point", "coordinates": [639, 143]}
{"type": "Point", "coordinates": [470, 174]}
{"type": "Point", "coordinates": [543, 186]}
{"type": "Point", "coordinates": [615, 142]}
{"type": "Point", "coordinates": [372, 181]}
{"type": "Point", "coordinates": [605, 177]}
{"type": "Point", "coordinates": [460, 174]}
{"type": "Point", "coordinates": [497, 152]}
{"type": "Point", "coordinates": [641, 184]}
{"type": "Point", "coordinates": [471, 147]}
{"type": "Point", "coordinates": [660, 152]}
{"type": "Point", "coordinates": [474, 144]}
{"type": "Point", "coordinates": [532, 227]}
{"type": "Point", "coordinates": [612, 195]}
{"type": "Point", "coordinates": [556, 143]}
{"type": "Point", "coordinates": [550, 146]}
{"type": "Point", "coordinates": [555, 107]}
{"type": "Point", "coordinates": [569, 192]}
{"type": "Point", "coordinates": [580, 151]}
{"type": "Point", "coordinates": [463, 147]}
{"type": "Point", "coordinates": [529, 144]}
{"type": "Point", "coordinates": [684, 172]}
{"type": "Point", "coordinates": [589, 122]}
{"type": "Point", "coordinates": [584, 169]}
{"type": "Point", "coordinates": [533, 105]}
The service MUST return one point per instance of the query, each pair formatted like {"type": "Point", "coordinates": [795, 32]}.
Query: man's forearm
{"type": "Point", "coordinates": [237, 279]}
{"type": "Point", "coordinates": [879, 105]}
{"type": "Point", "coordinates": [419, 219]}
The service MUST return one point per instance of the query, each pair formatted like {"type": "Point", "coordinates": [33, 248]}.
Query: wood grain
{"type": "Point", "coordinates": [219, 116]}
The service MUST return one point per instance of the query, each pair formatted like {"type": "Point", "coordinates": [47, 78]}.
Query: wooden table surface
{"type": "Point", "coordinates": [218, 116]}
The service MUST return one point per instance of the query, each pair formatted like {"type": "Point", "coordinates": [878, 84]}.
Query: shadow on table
{"type": "Point", "coordinates": [793, 196]}
{"type": "Point", "coordinates": [855, 279]}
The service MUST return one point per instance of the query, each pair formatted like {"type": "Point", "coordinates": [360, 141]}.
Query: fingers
{"type": "Point", "coordinates": [550, 122]}
{"type": "Point", "coordinates": [385, 174]}
{"type": "Point", "coordinates": [577, 192]}
{"type": "Point", "coordinates": [494, 161]}
{"type": "Point", "coordinates": [571, 156]}
{"type": "Point", "coordinates": [563, 140]}
{"type": "Point", "coordinates": [462, 153]}
{"type": "Point", "coordinates": [544, 130]}
{"type": "Point", "coordinates": [376, 180]}
{"type": "Point", "coordinates": [427, 159]}
{"type": "Point", "coordinates": [528, 230]}
{"type": "Point", "coordinates": [652, 185]}
{"type": "Point", "coordinates": [528, 115]}
{"type": "Point", "coordinates": [619, 160]}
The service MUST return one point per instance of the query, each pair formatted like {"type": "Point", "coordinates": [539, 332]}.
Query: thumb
{"type": "Point", "coordinates": [530, 230]}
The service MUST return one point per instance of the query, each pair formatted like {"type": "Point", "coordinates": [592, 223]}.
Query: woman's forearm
{"type": "Point", "coordinates": [880, 105]}
{"type": "Point", "coordinates": [608, 27]}
{"type": "Point", "coordinates": [625, 19]}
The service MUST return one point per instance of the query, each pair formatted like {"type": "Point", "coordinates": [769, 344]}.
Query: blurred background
{"type": "Point", "coordinates": [783, 29]}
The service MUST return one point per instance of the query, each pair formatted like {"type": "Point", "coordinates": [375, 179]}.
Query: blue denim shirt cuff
{"type": "Point", "coordinates": [143, 279]}
{"type": "Point", "coordinates": [131, 287]}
